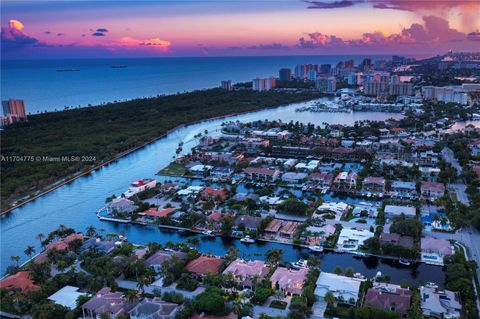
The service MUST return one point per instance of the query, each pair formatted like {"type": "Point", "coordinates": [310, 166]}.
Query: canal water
{"type": "Point", "coordinates": [75, 204]}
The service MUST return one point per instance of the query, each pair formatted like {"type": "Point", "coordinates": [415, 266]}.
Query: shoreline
{"type": "Point", "coordinates": [71, 179]}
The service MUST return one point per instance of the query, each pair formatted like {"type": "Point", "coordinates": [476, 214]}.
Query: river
{"type": "Point", "coordinates": [74, 204]}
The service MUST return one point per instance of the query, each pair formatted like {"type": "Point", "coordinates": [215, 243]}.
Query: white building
{"type": "Point", "coordinates": [345, 289]}
{"type": "Point", "coordinates": [394, 211]}
{"type": "Point", "coordinates": [351, 239]}
{"type": "Point", "coordinates": [67, 297]}
{"type": "Point", "coordinates": [443, 304]}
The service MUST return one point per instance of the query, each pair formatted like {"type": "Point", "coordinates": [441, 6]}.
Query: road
{"type": "Point", "coordinates": [449, 157]}
{"type": "Point", "coordinates": [460, 189]}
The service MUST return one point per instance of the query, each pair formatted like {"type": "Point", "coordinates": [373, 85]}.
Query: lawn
{"type": "Point", "coordinates": [173, 169]}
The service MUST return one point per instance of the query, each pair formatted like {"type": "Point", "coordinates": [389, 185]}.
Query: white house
{"type": "Point", "coordinates": [345, 289]}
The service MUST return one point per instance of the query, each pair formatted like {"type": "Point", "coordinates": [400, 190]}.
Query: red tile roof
{"type": "Point", "coordinates": [20, 281]}
{"type": "Point", "coordinates": [153, 212]}
{"type": "Point", "coordinates": [204, 264]}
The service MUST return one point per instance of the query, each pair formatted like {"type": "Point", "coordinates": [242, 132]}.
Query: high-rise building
{"type": "Point", "coordinates": [300, 71]}
{"type": "Point", "coordinates": [227, 85]}
{"type": "Point", "coordinates": [395, 89]}
{"type": "Point", "coordinates": [285, 74]}
{"type": "Point", "coordinates": [355, 78]}
{"type": "Point", "coordinates": [326, 84]}
{"type": "Point", "coordinates": [15, 108]}
{"type": "Point", "coordinates": [446, 94]}
{"type": "Point", "coordinates": [325, 68]}
{"type": "Point", "coordinates": [380, 65]}
{"type": "Point", "coordinates": [264, 84]}
{"type": "Point", "coordinates": [312, 75]}
{"type": "Point", "coordinates": [349, 64]}
{"type": "Point", "coordinates": [375, 88]}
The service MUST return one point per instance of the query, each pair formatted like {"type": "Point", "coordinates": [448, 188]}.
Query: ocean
{"type": "Point", "coordinates": [95, 81]}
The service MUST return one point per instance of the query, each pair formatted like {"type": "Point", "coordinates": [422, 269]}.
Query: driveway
{"type": "Point", "coordinates": [318, 309]}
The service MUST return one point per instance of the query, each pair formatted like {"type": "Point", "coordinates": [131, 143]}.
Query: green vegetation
{"type": "Point", "coordinates": [458, 277]}
{"type": "Point", "coordinates": [293, 206]}
{"type": "Point", "coordinates": [173, 169]}
{"type": "Point", "coordinates": [98, 134]}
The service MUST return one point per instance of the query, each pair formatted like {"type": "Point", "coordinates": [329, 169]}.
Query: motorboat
{"type": "Point", "coordinates": [358, 275]}
{"type": "Point", "coordinates": [247, 240]}
{"type": "Point", "coordinates": [316, 248]}
{"type": "Point", "coordinates": [404, 262]}
{"type": "Point", "coordinates": [431, 285]}
{"type": "Point", "coordinates": [209, 233]}
{"type": "Point", "coordinates": [302, 263]}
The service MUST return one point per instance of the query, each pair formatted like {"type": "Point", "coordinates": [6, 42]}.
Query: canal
{"type": "Point", "coordinates": [74, 205]}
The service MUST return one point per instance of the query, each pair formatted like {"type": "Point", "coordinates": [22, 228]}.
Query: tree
{"type": "Point", "coordinates": [15, 259]}
{"type": "Point", "coordinates": [29, 251]}
{"type": "Point", "coordinates": [274, 255]}
{"type": "Point", "coordinates": [338, 270]}
{"type": "Point", "coordinates": [211, 302]}
{"type": "Point", "coordinates": [329, 299]}
{"type": "Point", "coordinates": [261, 295]}
{"type": "Point", "coordinates": [91, 231]}
{"type": "Point", "coordinates": [40, 238]}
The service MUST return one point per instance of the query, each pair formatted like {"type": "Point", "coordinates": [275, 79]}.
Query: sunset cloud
{"type": "Point", "coordinates": [330, 5]}
{"type": "Point", "coordinates": [13, 37]}
{"type": "Point", "coordinates": [434, 31]}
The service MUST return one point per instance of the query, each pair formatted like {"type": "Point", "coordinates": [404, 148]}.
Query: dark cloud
{"type": "Point", "coordinates": [272, 46]}
{"type": "Point", "coordinates": [473, 36]}
{"type": "Point", "coordinates": [47, 32]}
{"type": "Point", "coordinates": [330, 5]}
{"type": "Point", "coordinates": [98, 34]}
{"type": "Point", "coordinates": [60, 34]}
{"type": "Point", "coordinates": [103, 30]}
{"type": "Point", "coordinates": [12, 36]}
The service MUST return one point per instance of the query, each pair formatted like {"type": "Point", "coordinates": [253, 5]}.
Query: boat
{"type": "Point", "coordinates": [359, 253]}
{"type": "Point", "coordinates": [358, 275]}
{"type": "Point", "coordinates": [404, 262]}
{"type": "Point", "coordinates": [209, 233]}
{"type": "Point", "coordinates": [247, 240]}
{"type": "Point", "coordinates": [431, 285]}
{"type": "Point", "coordinates": [302, 263]}
{"type": "Point", "coordinates": [68, 70]}
{"type": "Point", "coordinates": [316, 248]}
{"type": "Point", "coordinates": [122, 238]}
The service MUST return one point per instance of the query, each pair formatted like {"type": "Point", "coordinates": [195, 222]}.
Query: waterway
{"type": "Point", "coordinates": [74, 205]}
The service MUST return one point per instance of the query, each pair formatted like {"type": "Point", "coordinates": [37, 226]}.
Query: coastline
{"type": "Point", "coordinates": [71, 179]}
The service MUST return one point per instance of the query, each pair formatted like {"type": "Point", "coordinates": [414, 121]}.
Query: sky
{"type": "Point", "coordinates": [99, 29]}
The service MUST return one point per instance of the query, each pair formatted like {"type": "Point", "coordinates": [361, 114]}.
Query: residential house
{"type": "Point", "coordinates": [158, 258]}
{"type": "Point", "coordinates": [337, 209]}
{"type": "Point", "coordinates": [67, 297]}
{"type": "Point", "coordinates": [365, 210]}
{"type": "Point", "coordinates": [105, 302]}
{"type": "Point", "coordinates": [200, 170]}
{"type": "Point", "coordinates": [247, 222]}
{"type": "Point", "coordinates": [246, 272]}
{"type": "Point", "coordinates": [289, 281]}
{"type": "Point", "coordinates": [292, 177]}
{"type": "Point", "coordinates": [321, 179]}
{"type": "Point", "coordinates": [374, 184]}
{"type": "Point", "coordinates": [21, 281]}
{"type": "Point", "coordinates": [61, 244]}
{"type": "Point", "coordinates": [428, 158]}
{"type": "Point", "coordinates": [155, 214]}
{"type": "Point", "coordinates": [315, 235]}
{"type": "Point", "coordinates": [346, 180]}
{"type": "Point", "coordinates": [345, 289]}
{"type": "Point", "coordinates": [389, 297]}
{"type": "Point", "coordinates": [432, 190]}
{"type": "Point", "coordinates": [352, 239]}
{"type": "Point", "coordinates": [154, 308]}
{"type": "Point", "coordinates": [98, 245]}
{"type": "Point", "coordinates": [392, 211]}
{"type": "Point", "coordinates": [396, 239]}
{"type": "Point", "coordinates": [204, 265]}
{"type": "Point", "coordinates": [263, 174]}
{"type": "Point", "coordinates": [441, 304]}
{"type": "Point", "coordinates": [213, 194]}
{"type": "Point", "coordinates": [282, 228]}
{"type": "Point", "coordinates": [121, 205]}
{"type": "Point", "coordinates": [475, 147]}
{"type": "Point", "coordinates": [433, 250]}
{"type": "Point", "coordinates": [403, 189]}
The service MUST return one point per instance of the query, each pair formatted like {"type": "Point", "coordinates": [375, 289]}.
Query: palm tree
{"type": "Point", "coordinates": [142, 281]}
{"type": "Point", "coordinates": [329, 298]}
{"type": "Point", "coordinates": [40, 238]}
{"type": "Point", "coordinates": [15, 259]}
{"type": "Point", "coordinates": [131, 296]}
{"type": "Point", "coordinates": [274, 255]}
{"type": "Point", "coordinates": [91, 231]}
{"type": "Point", "coordinates": [29, 251]}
